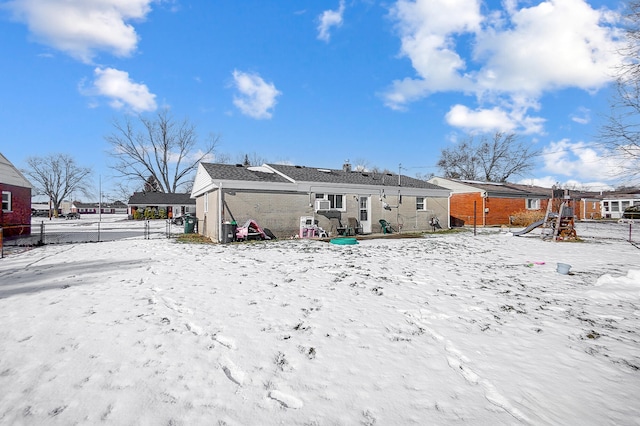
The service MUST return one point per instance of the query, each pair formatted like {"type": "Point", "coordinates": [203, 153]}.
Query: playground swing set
{"type": "Point", "coordinates": [558, 223]}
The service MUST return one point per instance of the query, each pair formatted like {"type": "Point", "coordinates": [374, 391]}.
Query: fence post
{"type": "Point", "coordinates": [1, 243]}
{"type": "Point", "coordinates": [41, 242]}
{"type": "Point", "coordinates": [474, 218]}
{"type": "Point", "coordinates": [630, 224]}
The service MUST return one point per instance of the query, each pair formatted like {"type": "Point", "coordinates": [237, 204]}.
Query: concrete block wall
{"type": "Point", "coordinates": [405, 217]}
{"type": "Point", "coordinates": [278, 212]}
{"type": "Point", "coordinates": [281, 212]}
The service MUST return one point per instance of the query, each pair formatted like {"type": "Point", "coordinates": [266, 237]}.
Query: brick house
{"type": "Point", "coordinates": [278, 197]}
{"type": "Point", "coordinates": [494, 203]}
{"type": "Point", "coordinates": [589, 206]}
{"type": "Point", "coordinates": [15, 216]}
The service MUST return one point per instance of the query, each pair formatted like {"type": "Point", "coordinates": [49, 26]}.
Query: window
{"type": "Point", "coordinates": [533, 203]}
{"type": "Point", "coordinates": [420, 203]}
{"type": "Point", "coordinates": [336, 200]}
{"type": "Point", "coordinates": [6, 201]}
{"type": "Point", "coordinates": [615, 206]}
{"type": "Point", "coordinates": [605, 204]}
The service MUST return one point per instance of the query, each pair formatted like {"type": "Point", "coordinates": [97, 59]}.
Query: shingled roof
{"type": "Point", "coordinates": [509, 189]}
{"type": "Point", "coordinates": [312, 174]}
{"type": "Point", "coordinates": [241, 173]}
{"type": "Point", "coordinates": [161, 198]}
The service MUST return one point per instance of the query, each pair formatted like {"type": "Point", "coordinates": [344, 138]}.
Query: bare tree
{"type": "Point", "coordinates": [493, 159]}
{"type": "Point", "coordinates": [621, 132]}
{"type": "Point", "coordinates": [58, 177]}
{"type": "Point", "coordinates": [252, 159]}
{"type": "Point", "coordinates": [122, 192]}
{"type": "Point", "coordinates": [459, 162]}
{"type": "Point", "coordinates": [162, 150]}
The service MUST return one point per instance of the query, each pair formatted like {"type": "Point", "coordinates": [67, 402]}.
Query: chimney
{"type": "Point", "coordinates": [346, 167]}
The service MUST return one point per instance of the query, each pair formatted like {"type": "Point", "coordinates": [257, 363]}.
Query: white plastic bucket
{"type": "Point", "coordinates": [563, 268]}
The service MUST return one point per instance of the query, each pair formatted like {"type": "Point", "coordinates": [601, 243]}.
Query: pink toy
{"type": "Point", "coordinates": [251, 230]}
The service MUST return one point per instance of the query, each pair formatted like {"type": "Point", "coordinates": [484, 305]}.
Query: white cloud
{"type": "Point", "coordinates": [493, 119]}
{"type": "Point", "coordinates": [80, 27]}
{"type": "Point", "coordinates": [507, 58]}
{"type": "Point", "coordinates": [580, 160]}
{"type": "Point", "coordinates": [328, 19]}
{"type": "Point", "coordinates": [122, 92]}
{"type": "Point", "coordinates": [583, 116]}
{"type": "Point", "coordinates": [427, 29]}
{"type": "Point", "coordinates": [255, 96]}
{"type": "Point", "coordinates": [550, 181]}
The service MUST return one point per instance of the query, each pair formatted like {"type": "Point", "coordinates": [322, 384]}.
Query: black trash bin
{"type": "Point", "coordinates": [228, 232]}
{"type": "Point", "coordinates": [189, 224]}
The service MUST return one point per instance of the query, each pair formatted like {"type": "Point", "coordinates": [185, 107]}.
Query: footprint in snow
{"type": "Point", "coordinates": [172, 304]}
{"type": "Point", "coordinates": [233, 373]}
{"type": "Point", "coordinates": [224, 341]}
{"type": "Point", "coordinates": [195, 329]}
{"type": "Point", "coordinates": [286, 400]}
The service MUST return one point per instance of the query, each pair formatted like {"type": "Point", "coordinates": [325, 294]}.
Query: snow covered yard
{"type": "Point", "coordinates": [447, 329]}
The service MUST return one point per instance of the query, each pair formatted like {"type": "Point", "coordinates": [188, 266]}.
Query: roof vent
{"type": "Point", "coordinates": [239, 165]}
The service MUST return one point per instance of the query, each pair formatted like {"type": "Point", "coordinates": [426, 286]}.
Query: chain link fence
{"type": "Point", "coordinates": [83, 231]}
{"type": "Point", "coordinates": [626, 230]}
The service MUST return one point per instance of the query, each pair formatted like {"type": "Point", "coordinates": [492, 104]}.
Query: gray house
{"type": "Point", "coordinates": [281, 198]}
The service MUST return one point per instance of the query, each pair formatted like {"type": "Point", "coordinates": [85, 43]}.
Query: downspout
{"type": "Point", "coordinates": [220, 212]}
{"type": "Point", "coordinates": [484, 209]}
{"type": "Point", "coordinates": [449, 210]}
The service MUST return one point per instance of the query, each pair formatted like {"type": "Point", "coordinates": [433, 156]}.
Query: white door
{"type": "Point", "coordinates": [365, 214]}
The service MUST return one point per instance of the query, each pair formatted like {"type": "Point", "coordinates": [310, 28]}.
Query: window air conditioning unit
{"type": "Point", "coordinates": [323, 205]}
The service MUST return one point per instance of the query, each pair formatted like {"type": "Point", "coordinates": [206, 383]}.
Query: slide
{"type": "Point", "coordinates": [529, 228]}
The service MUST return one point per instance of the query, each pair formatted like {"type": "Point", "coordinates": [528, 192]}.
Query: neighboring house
{"type": "Point", "coordinates": [614, 203]}
{"type": "Point", "coordinates": [589, 206]}
{"type": "Point", "coordinates": [174, 204]}
{"type": "Point", "coordinates": [117, 207]}
{"type": "Point", "coordinates": [495, 203]}
{"type": "Point", "coordinates": [84, 208]}
{"type": "Point", "coordinates": [15, 216]}
{"type": "Point", "coordinates": [280, 197]}
{"type": "Point", "coordinates": [491, 204]}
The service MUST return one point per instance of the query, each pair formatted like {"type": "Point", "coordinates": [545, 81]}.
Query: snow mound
{"type": "Point", "coordinates": [617, 287]}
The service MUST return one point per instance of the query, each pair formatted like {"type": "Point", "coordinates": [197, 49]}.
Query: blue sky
{"type": "Point", "coordinates": [382, 84]}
